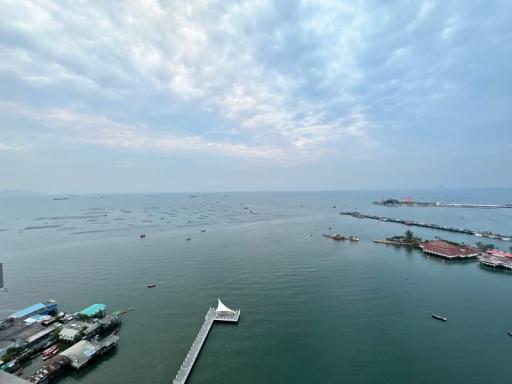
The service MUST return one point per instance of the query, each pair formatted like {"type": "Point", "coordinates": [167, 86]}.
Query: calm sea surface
{"type": "Point", "coordinates": [313, 310]}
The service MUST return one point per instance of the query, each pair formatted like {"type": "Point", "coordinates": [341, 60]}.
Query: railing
{"type": "Point", "coordinates": [194, 350]}
{"type": "Point", "coordinates": [188, 363]}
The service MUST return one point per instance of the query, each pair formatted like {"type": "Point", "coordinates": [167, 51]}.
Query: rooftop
{"type": "Point", "coordinates": [450, 250]}
{"type": "Point", "coordinates": [83, 351]}
{"type": "Point", "coordinates": [93, 309]}
{"type": "Point", "coordinates": [29, 310]}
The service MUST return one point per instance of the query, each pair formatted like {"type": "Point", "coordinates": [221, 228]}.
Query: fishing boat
{"type": "Point", "coordinates": [437, 317]}
{"type": "Point", "coordinates": [50, 352]}
{"type": "Point", "coordinates": [152, 285]}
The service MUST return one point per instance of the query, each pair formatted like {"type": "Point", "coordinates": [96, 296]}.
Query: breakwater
{"type": "Point", "coordinates": [472, 232]}
{"type": "Point", "coordinates": [439, 204]}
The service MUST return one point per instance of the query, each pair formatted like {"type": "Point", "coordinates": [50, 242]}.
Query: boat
{"type": "Point", "coordinates": [509, 333]}
{"type": "Point", "coordinates": [143, 236]}
{"type": "Point", "coordinates": [50, 352]}
{"type": "Point", "coordinates": [188, 238]}
{"type": "Point", "coordinates": [50, 349]}
{"type": "Point", "coordinates": [153, 285]}
{"type": "Point", "coordinates": [339, 237]}
{"type": "Point", "coordinates": [437, 317]}
{"type": "Point", "coordinates": [203, 230]}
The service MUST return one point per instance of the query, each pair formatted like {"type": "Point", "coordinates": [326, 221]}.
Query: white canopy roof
{"type": "Point", "coordinates": [222, 308]}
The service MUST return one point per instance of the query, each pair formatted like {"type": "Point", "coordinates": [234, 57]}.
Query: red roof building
{"type": "Point", "coordinates": [496, 252]}
{"type": "Point", "coordinates": [448, 250]}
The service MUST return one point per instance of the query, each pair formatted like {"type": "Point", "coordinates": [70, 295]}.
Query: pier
{"type": "Point", "coordinates": [221, 313]}
{"type": "Point", "coordinates": [392, 202]}
{"type": "Point", "coordinates": [486, 234]}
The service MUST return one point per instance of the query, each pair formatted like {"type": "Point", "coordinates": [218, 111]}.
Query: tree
{"type": "Point", "coordinates": [409, 236]}
{"type": "Point", "coordinates": [484, 247]}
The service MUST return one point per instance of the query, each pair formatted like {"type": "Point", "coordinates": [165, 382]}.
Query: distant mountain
{"type": "Point", "coordinates": [20, 193]}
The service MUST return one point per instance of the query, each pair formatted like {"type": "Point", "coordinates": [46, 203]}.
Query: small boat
{"type": "Point", "coordinates": [188, 239]}
{"type": "Point", "coordinates": [509, 333]}
{"type": "Point", "coordinates": [203, 230]}
{"type": "Point", "coordinates": [50, 354]}
{"type": "Point", "coordinates": [437, 317]}
{"type": "Point", "coordinates": [153, 285]}
{"type": "Point", "coordinates": [50, 349]}
{"type": "Point", "coordinates": [143, 236]}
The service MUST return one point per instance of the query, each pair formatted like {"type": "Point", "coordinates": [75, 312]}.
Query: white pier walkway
{"type": "Point", "coordinates": [221, 313]}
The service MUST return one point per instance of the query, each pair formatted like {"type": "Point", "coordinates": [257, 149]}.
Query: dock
{"type": "Point", "coordinates": [221, 313]}
{"type": "Point", "coordinates": [498, 262]}
{"type": "Point", "coordinates": [438, 227]}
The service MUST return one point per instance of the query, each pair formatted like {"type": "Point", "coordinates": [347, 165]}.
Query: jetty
{"type": "Point", "coordinates": [221, 313]}
{"type": "Point", "coordinates": [472, 232]}
{"type": "Point", "coordinates": [408, 202]}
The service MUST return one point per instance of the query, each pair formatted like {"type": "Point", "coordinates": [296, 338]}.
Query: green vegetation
{"type": "Point", "coordinates": [11, 354]}
{"type": "Point", "coordinates": [485, 247]}
{"type": "Point", "coordinates": [407, 238]}
{"type": "Point", "coordinates": [83, 317]}
{"type": "Point", "coordinates": [391, 202]}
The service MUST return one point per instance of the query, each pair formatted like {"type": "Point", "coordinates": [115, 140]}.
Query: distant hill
{"type": "Point", "coordinates": [8, 193]}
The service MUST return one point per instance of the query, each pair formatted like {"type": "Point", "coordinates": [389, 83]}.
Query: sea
{"type": "Point", "coordinates": [313, 310]}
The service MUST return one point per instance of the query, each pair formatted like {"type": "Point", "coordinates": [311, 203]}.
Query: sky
{"type": "Point", "coordinates": [172, 96]}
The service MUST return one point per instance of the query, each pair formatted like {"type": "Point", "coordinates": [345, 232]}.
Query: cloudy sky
{"type": "Point", "coordinates": [203, 95]}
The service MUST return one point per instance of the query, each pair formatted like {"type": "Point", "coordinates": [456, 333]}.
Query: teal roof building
{"type": "Point", "coordinates": [94, 310]}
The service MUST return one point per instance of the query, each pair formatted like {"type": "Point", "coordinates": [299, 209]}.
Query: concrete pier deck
{"type": "Point", "coordinates": [212, 315]}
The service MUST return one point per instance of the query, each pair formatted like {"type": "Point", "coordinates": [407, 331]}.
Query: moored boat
{"type": "Point", "coordinates": [438, 317]}
{"type": "Point", "coordinates": [153, 285]}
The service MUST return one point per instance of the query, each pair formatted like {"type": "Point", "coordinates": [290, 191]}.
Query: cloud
{"type": "Point", "coordinates": [4, 147]}
{"type": "Point", "coordinates": [99, 130]}
{"type": "Point", "coordinates": [274, 82]}
{"type": "Point", "coordinates": [214, 58]}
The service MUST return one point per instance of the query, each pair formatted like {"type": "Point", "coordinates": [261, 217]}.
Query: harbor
{"type": "Point", "coordinates": [487, 234]}
{"type": "Point", "coordinates": [62, 340]}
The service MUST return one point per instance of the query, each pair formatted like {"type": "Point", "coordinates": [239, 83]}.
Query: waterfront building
{"type": "Point", "coordinates": [76, 330]}
{"type": "Point", "coordinates": [83, 351]}
{"type": "Point", "coordinates": [497, 259]}
{"type": "Point", "coordinates": [94, 310]}
{"type": "Point", "coordinates": [498, 253]}
{"type": "Point", "coordinates": [45, 308]}
{"type": "Point", "coordinates": [448, 250]}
